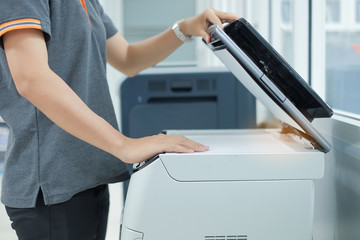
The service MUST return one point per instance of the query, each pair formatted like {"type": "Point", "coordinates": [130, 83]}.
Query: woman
{"type": "Point", "coordinates": [64, 146]}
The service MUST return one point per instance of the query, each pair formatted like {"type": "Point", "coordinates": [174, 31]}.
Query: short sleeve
{"type": "Point", "coordinates": [110, 28]}
{"type": "Point", "coordinates": [20, 14]}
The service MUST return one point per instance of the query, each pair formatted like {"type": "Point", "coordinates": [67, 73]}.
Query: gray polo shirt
{"type": "Point", "coordinates": [39, 153]}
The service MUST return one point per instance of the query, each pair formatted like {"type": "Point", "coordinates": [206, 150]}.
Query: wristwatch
{"type": "Point", "coordinates": [179, 34]}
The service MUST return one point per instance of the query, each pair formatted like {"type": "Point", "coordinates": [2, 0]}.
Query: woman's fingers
{"type": "Point", "coordinates": [197, 25]}
{"type": "Point", "coordinates": [178, 143]}
{"type": "Point", "coordinates": [137, 150]}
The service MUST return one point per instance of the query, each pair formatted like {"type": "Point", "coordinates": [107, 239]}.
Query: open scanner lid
{"type": "Point", "coordinates": [273, 81]}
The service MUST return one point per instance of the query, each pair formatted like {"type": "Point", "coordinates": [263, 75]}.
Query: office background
{"type": "Point", "coordinates": [321, 40]}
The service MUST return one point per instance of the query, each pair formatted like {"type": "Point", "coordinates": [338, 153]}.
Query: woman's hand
{"type": "Point", "coordinates": [197, 25]}
{"type": "Point", "coordinates": [138, 150]}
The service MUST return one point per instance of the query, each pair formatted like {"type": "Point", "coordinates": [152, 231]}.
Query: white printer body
{"type": "Point", "coordinates": [250, 185]}
{"type": "Point", "coordinates": [253, 184]}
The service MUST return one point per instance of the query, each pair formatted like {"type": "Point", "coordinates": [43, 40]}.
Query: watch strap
{"type": "Point", "coordinates": [179, 34]}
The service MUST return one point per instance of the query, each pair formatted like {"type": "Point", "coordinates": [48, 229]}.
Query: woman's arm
{"type": "Point", "coordinates": [27, 58]}
{"type": "Point", "coordinates": [133, 58]}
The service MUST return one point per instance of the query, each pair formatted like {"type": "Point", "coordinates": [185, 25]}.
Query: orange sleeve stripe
{"type": "Point", "coordinates": [19, 27]}
{"type": "Point", "coordinates": [25, 23]}
{"type": "Point", "coordinates": [20, 21]}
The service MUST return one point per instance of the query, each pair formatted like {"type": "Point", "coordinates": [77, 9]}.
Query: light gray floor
{"type": "Point", "coordinates": [6, 233]}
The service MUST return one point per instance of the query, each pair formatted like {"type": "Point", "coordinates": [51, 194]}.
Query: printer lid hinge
{"type": "Point", "coordinates": [300, 135]}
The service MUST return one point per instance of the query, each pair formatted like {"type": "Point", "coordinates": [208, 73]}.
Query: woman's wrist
{"type": "Point", "coordinates": [178, 29]}
{"type": "Point", "coordinates": [117, 145]}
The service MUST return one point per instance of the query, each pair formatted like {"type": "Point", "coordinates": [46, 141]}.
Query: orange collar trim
{"type": "Point", "coordinates": [84, 5]}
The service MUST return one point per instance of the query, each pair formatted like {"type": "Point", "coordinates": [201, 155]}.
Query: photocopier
{"type": "Point", "coordinates": [253, 184]}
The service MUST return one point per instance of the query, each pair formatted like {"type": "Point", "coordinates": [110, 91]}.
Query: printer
{"type": "Point", "coordinates": [253, 184]}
